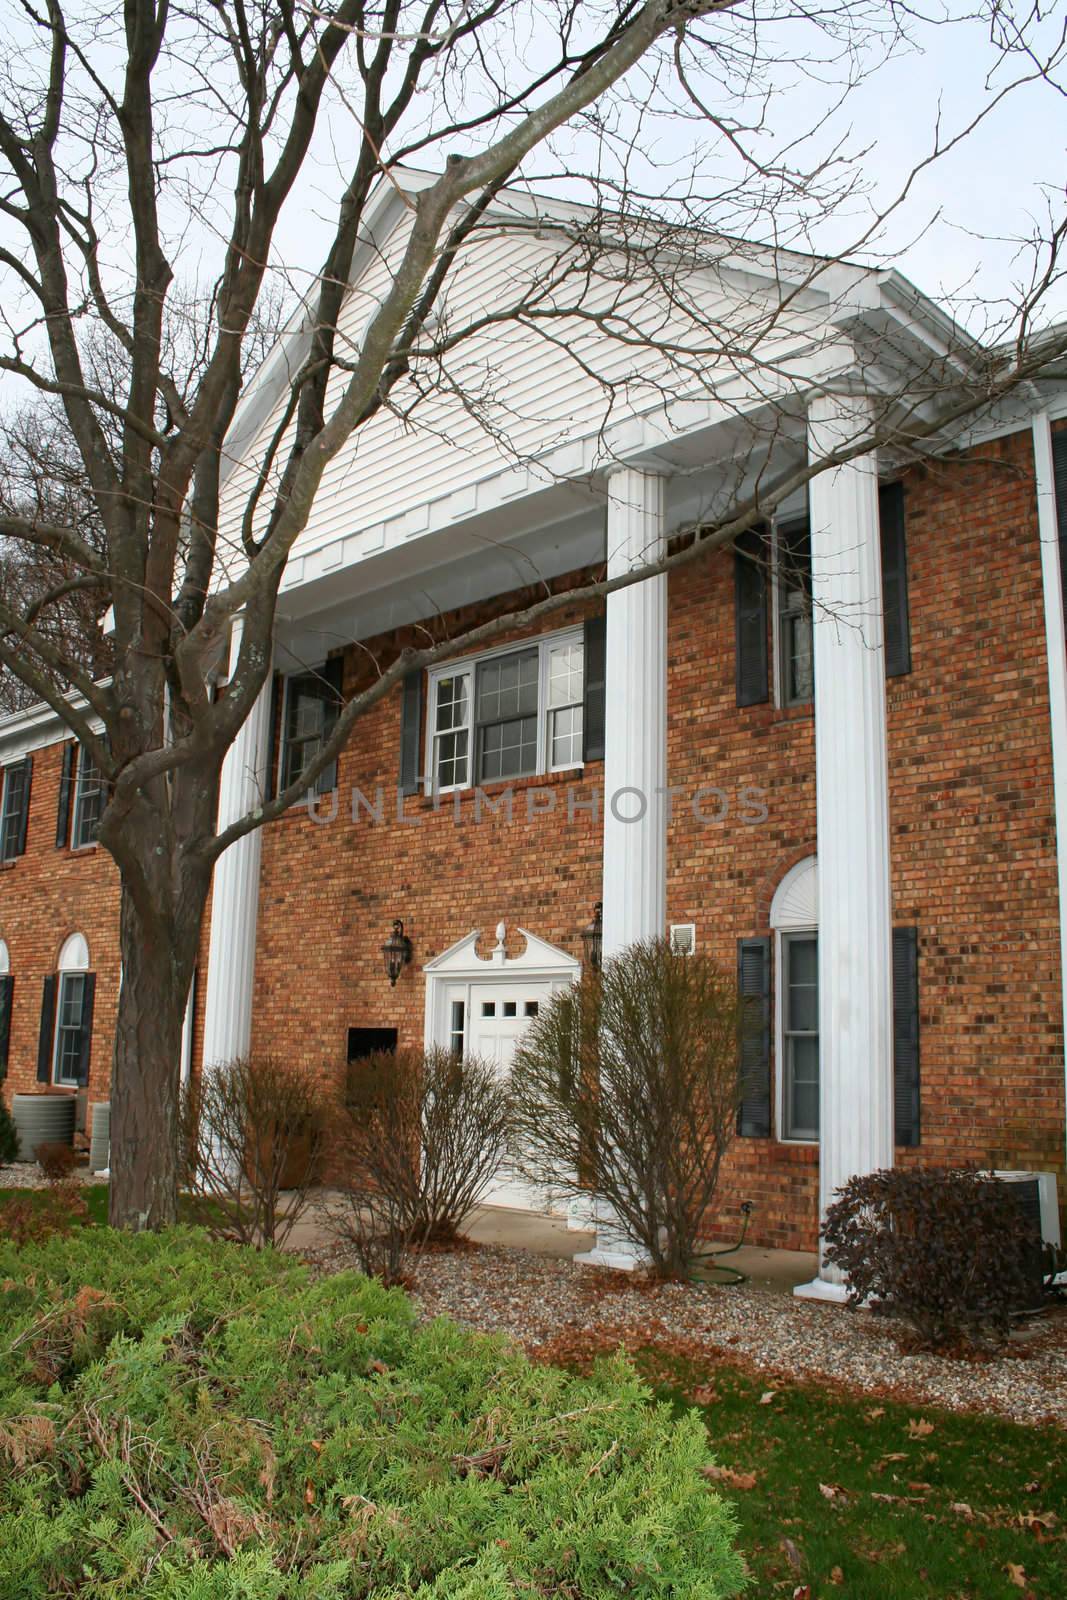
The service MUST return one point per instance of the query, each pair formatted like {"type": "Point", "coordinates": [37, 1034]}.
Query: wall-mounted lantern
{"type": "Point", "coordinates": [593, 937]}
{"type": "Point", "coordinates": [397, 952]}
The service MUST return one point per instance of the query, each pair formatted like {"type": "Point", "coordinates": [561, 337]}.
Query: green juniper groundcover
{"type": "Point", "coordinates": [187, 1420]}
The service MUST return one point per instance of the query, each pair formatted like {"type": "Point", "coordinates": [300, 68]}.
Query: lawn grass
{"type": "Point", "coordinates": [96, 1201]}
{"type": "Point", "coordinates": [872, 1500]}
{"type": "Point", "coordinates": [95, 1195]}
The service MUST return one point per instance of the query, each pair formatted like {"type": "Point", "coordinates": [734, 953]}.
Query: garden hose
{"type": "Point", "coordinates": [730, 1276]}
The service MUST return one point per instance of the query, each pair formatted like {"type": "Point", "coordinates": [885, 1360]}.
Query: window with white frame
{"type": "Point", "coordinates": [73, 1018]}
{"type": "Point", "coordinates": [794, 919]}
{"type": "Point", "coordinates": [800, 1035]}
{"type": "Point", "coordinates": [89, 800]}
{"type": "Point", "coordinates": [509, 714]}
{"type": "Point", "coordinates": [793, 609]}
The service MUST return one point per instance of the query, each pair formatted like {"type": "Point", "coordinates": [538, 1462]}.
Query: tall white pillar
{"type": "Point", "coordinates": [852, 814]}
{"type": "Point", "coordinates": [235, 892]}
{"type": "Point", "coordinates": [635, 754]}
{"type": "Point", "coordinates": [1056, 651]}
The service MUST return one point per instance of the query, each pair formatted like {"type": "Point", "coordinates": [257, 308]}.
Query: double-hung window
{"type": "Point", "coordinates": [312, 704]}
{"type": "Point", "coordinates": [800, 1035]}
{"type": "Point", "coordinates": [792, 582]}
{"type": "Point", "coordinates": [14, 808]}
{"type": "Point", "coordinates": [90, 797]}
{"type": "Point", "coordinates": [509, 714]}
{"type": "Point", "coordinates": [70, 1028]}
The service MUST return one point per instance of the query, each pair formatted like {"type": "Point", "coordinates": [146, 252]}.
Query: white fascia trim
{"type": "Point", "coordinates": [1056, 650]}
{"type": "Point", "coordinates": [24, 731]}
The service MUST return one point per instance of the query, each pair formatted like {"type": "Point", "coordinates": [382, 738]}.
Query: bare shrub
{"type": "Point", "coordinates": [57, 1161]}
{"type": "Point", "coordinates": [945, 1251]}
{"type": "Point", "coordinates": [424, 1135]}
{"type": "Point", "coordinates": [252, 1133]}
{"type": "Point", "coordinates": [628, 1084]}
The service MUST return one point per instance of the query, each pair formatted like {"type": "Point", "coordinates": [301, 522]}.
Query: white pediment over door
{"type": "Point", "coordinates": [538, 958]}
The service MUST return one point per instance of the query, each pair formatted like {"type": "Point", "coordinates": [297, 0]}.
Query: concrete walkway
{"type": "Point", "coordinates": [775, 1270]}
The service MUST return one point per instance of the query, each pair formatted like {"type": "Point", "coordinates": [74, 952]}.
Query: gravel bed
{"type": "Point", "coordinates": [540, 1300]}
{"type": "Point", "coordinates": [28, 1175]}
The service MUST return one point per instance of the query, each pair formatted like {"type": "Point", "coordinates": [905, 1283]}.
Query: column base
{"type": "Point", "coordinates": [821, 1289]}
{"type": "Point", "coordinates": [616, 1257]}
{"type": "Point", "coordinates": [613, 1248]}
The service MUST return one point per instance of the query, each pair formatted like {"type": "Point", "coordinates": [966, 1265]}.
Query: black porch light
{"type": "Point", "coordinates": [593, 937]}
{"type": "Point", "coordinates": [397, 952]}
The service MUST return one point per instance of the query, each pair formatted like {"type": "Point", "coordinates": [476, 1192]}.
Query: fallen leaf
{"type": "Point", "coordinates": [836, 1575]}
{"type": "Point", "coordinates": [705, 1395]}
{"type": "Point", "coordinates": [802, 1591]}
{"type": "Point", "coordinates": [832, 1491]}
{"type": "Point", "coordinates": [1039, 1519]}
{"type": "Point", "coordinates": [875, 1413]}
{"type": "Point", "coordinates": [734, 1480]}
{"type": "Point", "coordinates": [792, 1554]}
{"type": "Point", "coordinates": [309, 1493]}
{"type": "Point", "coordinates": [962, 1509]}
{"type": "Point", "coordinates": [918, 1428]}
{"type": "Point", "coordinates": [1016, 1574]}
{"type": "Point", "coordinates": [918, 1487]}
{"type": "Point", "coordinates": [767, 1396]}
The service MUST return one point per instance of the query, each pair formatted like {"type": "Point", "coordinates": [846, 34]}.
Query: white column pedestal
{"type": "Point", "coordinates": [235, 891]}
{"type": "Point", "coordinates": [852, 808]}
{"type": "Point", "coordinates": [635, 759]}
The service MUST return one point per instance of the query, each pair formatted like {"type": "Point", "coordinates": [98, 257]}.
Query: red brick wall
{"type": "Point", "coordinates": [46, 895]}
{"type": "Point", "coordinates": [972, 838]}
{"type": "Point", "coordinates": [971, 817]}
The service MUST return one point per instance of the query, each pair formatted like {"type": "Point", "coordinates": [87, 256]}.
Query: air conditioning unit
{"type": "Point", "coordinates": [1032, 1198]}
{"type": "Point", "coordinates": [1039, 1200]}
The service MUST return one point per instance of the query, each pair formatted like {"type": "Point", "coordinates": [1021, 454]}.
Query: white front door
{"type": "Point", "coordinates": [500, 1013]}
{"type": "Point", "coordinates": [482, 1006]}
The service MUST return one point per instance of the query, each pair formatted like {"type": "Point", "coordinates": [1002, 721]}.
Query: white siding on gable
{"type": "Point", "coordinates": [515, 391]}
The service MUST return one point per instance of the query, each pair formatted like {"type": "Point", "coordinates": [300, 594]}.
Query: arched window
{"type": "Point", "coordinates": [795, 923]}
{"type": "Point", "coordinates": [67, 1017]}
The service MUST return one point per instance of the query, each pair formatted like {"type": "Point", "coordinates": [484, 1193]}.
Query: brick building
{"type": "Point", "coordinates": [834, 756]}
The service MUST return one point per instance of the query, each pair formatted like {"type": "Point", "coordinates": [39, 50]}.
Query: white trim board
{"type": "Point", "coordinates": [1056, 650]}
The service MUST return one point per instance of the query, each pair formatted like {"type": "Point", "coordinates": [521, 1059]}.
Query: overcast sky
{"type": "Point", "coordinates": [974, 203]}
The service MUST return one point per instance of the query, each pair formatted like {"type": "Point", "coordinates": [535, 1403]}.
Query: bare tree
{"type": "Point", "coordinates": [135, 141]}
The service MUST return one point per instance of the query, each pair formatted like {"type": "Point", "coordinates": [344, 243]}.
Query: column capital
{"type": "Point", "coordinates": [647, 469]}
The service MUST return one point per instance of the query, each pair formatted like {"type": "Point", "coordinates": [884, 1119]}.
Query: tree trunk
{"type": "Point", "coordinates": [158, 956]}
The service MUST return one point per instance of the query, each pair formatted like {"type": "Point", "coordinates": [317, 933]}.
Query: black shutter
{"type": "Point", "coordinates": [66, 786]}
{"type": "Point", "coordinates": [1059, 483]}
{"type": "Point", "coordinates": [750, 620]}
{"type": "Point", "coordinates": [333, 672]}
{"type": "Point", "coordinates": [47, 1034]}
{"type": "Point", "coordinates": [272, 785]}
{"type": "Point", "coordinates": [86, 1040]}
{"type": "Point", "coordinates": [7, 989]}
{"type": "Point", "coordinates": [596, 685]}
{"type": "Point", "coordinates": [906, 1035]}
{"type": "Point", "coordinates": [754, 986]}
{"type": "Point", "coordinates": [24, 812]}
{"type": "Point", "coordinates": [897, 623]}
{"type": "Point", "coordinates": [411, 732]}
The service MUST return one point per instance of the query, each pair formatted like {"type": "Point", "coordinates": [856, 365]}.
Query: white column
{"type": "Point", "coordinates": [1056, 649]}
{"type": "Point", "coordinates": [235, 892]}
{"type": "Point", "coordinates": [852, 815]}
{"type": "Point", "coordinates": [635, 754]}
